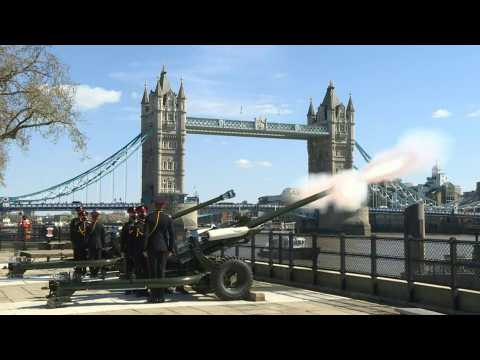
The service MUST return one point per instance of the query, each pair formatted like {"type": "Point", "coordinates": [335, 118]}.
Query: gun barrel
{"type": "Point", "coordinates": [298, 204]}
{"type": "Point", "coordinates": [220, 237]}
{"type": "Point", "coordinates": [228, 195]}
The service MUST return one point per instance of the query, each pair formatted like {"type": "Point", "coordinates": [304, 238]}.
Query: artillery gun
{"type": "Point", "coordinates": [193, 264]}
{"type": "Point", "coordinates": [18, 265]}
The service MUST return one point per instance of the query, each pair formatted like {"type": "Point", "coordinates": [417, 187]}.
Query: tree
{"type": "Point", "coordinates": [36, 95]}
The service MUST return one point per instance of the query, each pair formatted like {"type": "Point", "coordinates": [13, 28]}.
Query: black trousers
{"type": "Point", "coordinates": [157, 261]}
{"type": "Point", "coordinates": [94, 254]}
{"type": "Point", "coordinates": [140, 265]}
{"type": "Point", "coordinates": [129, 265]}
{"type": "Point", "coordinates": [80, 254]}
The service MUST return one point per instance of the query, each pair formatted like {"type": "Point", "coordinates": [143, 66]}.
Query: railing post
{"type": "Point", "coordinates": [280, 248]}
{"type": "Point", "coordinates": [290, 255]}
{"type": "Point", "coordinates": [408, 267]}
{"type": "Point", "coordinates": [314, 259]}
{"type": "Point", "coordinates": [252, 252]}
{"type": "Point", "coordinates": [270, 252]}
{"type": "Point", "coordinates": [222, 252]}
{"type": "Point", "coordinates": [453, 272]}
{"type": "Point", "coordinates": [342, 262]}
{"type": "Point", "coordinates": [237, 252]}
{"type": "Point", "coordinates": [373, 259]}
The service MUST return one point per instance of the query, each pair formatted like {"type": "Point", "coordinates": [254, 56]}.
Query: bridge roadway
{"type": "Point", "coordinates": [215, 207]}
{"type": "Point", "coordinates": [207, 126]}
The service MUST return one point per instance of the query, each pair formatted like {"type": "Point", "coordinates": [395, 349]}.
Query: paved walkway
{"type": "Point", "coordinates": [27, 296]}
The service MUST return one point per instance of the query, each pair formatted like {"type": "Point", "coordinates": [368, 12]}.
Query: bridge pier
{"type": "Point", "coordinates": [332, 221]}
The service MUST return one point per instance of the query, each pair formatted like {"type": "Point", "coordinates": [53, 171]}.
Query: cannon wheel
{"type": "Point", "coordinates": [231, 280]}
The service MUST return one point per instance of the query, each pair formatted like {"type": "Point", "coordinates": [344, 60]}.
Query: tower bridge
{"type": "Point", "coordinates": [329, 133]}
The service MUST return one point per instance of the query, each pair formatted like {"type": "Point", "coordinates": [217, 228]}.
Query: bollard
{"type": "Point", "coordinates": [408, 267]}
{"type": "Point", "coordinates": [414, 226]}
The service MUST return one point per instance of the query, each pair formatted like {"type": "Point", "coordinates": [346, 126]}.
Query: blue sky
{"type": "Point", "coordinates": [394, 89]}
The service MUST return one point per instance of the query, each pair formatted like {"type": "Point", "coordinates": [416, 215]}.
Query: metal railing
{"type": "Point", "coordinates": [451, 263]}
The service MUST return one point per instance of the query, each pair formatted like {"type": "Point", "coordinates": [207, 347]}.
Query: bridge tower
{"type": "Point", "coordinates": [164, 113]}
{"type": "Point", "coordinates": [334, 152]}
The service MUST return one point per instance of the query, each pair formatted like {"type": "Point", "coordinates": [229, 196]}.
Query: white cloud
{"type": "Point", "coordinates": [88, 98]}
{"type": "Point", "coordinates": [280, 75]}
{"type": "Point", "coordinates": [264, 163]}
{"type": "Point", "coordinates": [246, 164]}
{"type": "Point", "coordinates": [243, 163]}
{"type": "Point", "coordinates": [135, 95]}
{"type": "Point", "coordinates": [475, 113]}
{"type": "Point", "coordinates": [441, 113]}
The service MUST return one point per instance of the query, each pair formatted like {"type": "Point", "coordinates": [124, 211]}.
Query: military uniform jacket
{"type": "Point", "coordinates": [159, 235]}
{"type": "Point", "coordinates": [74, 233]}
{"type": "Point", "coordinates": [78, 232]}
{"type": "Point", "coordinates": [96, 236]}
{"type": "Point", "coordinates": [127, 238]}
{"type": "Point", "coordinates": [138, 239]}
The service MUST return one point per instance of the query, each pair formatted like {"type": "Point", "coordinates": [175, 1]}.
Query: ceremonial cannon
{"type": "Point", "coordinates": [193, 264]}
{"type": "Point", "coordinates": [18, 265]}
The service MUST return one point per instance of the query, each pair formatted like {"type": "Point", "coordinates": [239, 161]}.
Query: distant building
{"type": "Point", "coordinates": [270, 200]}
{"type": "Point", "coordinates": [437, 179]}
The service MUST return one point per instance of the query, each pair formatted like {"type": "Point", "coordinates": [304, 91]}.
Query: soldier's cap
{"type": "Point", "coordinates": [79, 209]}
{"type": "Point", "coordinates": [131, 210]}
{"type": "Point", "coordinates": [95, 213]}
{"type": "Point", "coordinates": [141, 209]}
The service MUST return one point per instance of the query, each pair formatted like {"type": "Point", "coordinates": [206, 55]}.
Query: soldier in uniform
{"type": "Point", "coordinates": [96, 241]}
{"type": "Point", "coordinates": [78, 237]}
{"type": "Point", "coordinates": [140, 261]}
{"type": "Point", "coordinates": [159, 244]}
{"type": "Point", "coordinates": [127, 242]}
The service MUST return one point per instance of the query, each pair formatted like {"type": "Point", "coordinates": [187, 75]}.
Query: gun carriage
{"type": "Point", "coordinates": [112, 261]}
{"type": "Point", "coordinates": [194, 263]}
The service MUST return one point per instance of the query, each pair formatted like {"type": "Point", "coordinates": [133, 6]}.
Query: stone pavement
{"type": "Point", "coordinates": [26, 296]}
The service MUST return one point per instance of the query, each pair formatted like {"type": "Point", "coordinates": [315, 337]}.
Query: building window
{"type": "Point", "coordinates": [164, 165]}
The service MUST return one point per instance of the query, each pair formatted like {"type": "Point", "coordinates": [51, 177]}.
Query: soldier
{"type": "Point", "coordinates": [140, 261]}
{"type": "Point", "coordinates": [127, 243]}
{"type": "Point", "coordinates": [159, 244]}
{"type": "Point", "coordinates": [23, 231]}
{"type": "Point", "coordinates": [96, 241]}
{"type": "Point", "coordinates": [78, 237]}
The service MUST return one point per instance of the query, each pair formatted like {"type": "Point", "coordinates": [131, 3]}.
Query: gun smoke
{"type": "Point", "coordinates": [349, 189]}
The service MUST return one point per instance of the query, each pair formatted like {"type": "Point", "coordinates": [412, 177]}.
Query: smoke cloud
{"type": "Point", "coordinates": [349, 189]}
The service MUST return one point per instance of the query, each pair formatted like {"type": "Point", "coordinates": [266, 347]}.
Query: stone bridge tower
{"type": "Point", "coordinates": [164, 114]}
{"type": "Point", "coordinates": [334, 152]}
